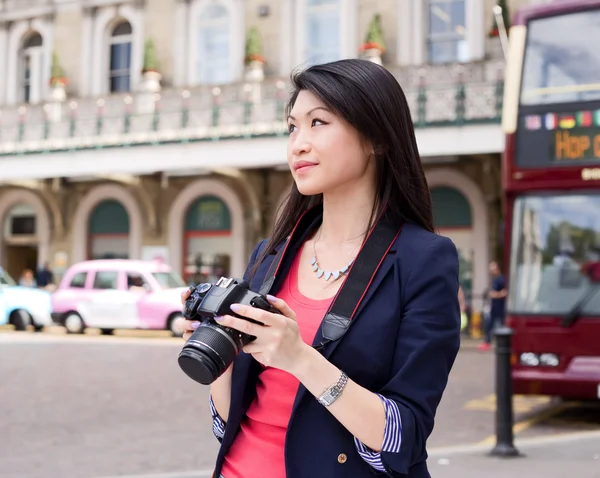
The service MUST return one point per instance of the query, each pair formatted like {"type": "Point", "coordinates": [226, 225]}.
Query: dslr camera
{"type": "Point", "coordinates": [212, 347]}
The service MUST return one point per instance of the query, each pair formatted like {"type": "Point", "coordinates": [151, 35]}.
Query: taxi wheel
{"type": "Point", "coordinates": [172, 325]}
{"type": "Point", "coordinates": [20, 319]}
{"type": "Point", "coordinates": [74, 323]}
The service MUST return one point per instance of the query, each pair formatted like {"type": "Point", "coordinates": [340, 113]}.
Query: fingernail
{"type": "Point", "coordinates": [271, 298]}
{"type": "Point", "coordinates": [236, 307]}
{"type": "Point", "coordinates": [219, 318]}
{"type": "Point", "coordinates": [195, 325]}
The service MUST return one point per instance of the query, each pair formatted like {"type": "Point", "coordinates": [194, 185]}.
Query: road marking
{"type": "Point", "coordinates": [519, 443]}
{"type": "Point", "coordinates": [182, 474]}
{"type": "Point", "coordinates": [27, 338]}
{"type": "Point", "coordinates": [432, 453]}
{"type": "Point", "coordinates": [523, 425]}
{"type": "Point", "coordinates": [521, 403]}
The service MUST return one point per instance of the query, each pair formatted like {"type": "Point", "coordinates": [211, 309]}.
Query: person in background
{"type": "Point", "coordinates": [27, 279]}
{"type": "Point", "coordinates": [463, 308]}
{"type": "Point", "coordinates": [497, 295]}
{"type": "Point", "coordinates": [45, 277]}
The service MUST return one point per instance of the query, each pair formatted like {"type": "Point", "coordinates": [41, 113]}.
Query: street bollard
{"type": "Point", "coordinates": [504, 398]}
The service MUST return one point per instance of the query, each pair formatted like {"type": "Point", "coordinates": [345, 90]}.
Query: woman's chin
{"type": "Point", "coordinates": [309, 188]}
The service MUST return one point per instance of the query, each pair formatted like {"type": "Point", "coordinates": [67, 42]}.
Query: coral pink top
{"type": "Point", "coordinates": [257, 451]}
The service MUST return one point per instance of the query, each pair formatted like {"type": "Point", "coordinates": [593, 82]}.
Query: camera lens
{"type": "Point", "coordinates": [208, 353]}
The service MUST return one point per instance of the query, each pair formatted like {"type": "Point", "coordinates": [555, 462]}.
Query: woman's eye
{"type": "Point", "coordinates": [291, 128]}
{"type": "Point", "coordinates": [317, 122]}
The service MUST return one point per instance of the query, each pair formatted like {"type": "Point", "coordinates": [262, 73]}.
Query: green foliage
{"type": "Point", "coordinates": [150, 57]}
{"type": "Point", "coordinates": [253, 46]}
{"type": "Point", "coordinates": [56, 70]}
{"type": "Point", "coordinates": [374, 36]}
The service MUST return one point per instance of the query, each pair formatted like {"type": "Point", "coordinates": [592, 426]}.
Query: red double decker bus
{"type": "Point", "coordinates": [551, 180]}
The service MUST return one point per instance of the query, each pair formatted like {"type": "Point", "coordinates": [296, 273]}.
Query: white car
{"type": "Point", "coordinates": [23, 306]}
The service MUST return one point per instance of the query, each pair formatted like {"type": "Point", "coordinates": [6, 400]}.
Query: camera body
{"type": "Point", "coordinates": [212, 347]}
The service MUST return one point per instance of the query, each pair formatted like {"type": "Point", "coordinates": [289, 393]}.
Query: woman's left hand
{"type": "Point", "coordinates": [278, 342]}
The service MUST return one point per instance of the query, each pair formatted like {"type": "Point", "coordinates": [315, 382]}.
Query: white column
{"type": "Point", "coordinates": [36, 58]}
{"type": "Point", "coordinates": [180, 56]}
{"type": "Point", "coordinates": [419, 18]}
{"type": "Point", "coordinates": [349, 28]}
{"type": "Point", "coordinates": [137, 49]}
{"type": "Point", "coordinates": [85, 80]}
{"type": "Point", "coordinates": [475, 25]}
{"type": "Point", "coordinates": [191, 51]}
{"type": "Point", "coordinates": [299, 52]}
{"type": "Point", "coordinates": [97, 57]}
{"type": "Point", "coordinates": [12, 68]}
{"type": "Point", "coordinates": [405, 36]}
{"type": "Point", "coordinates": [3, 60]}
{"type": "Point", "coordinates": [238, 35]}
{"type": "Point", "coordinates": [287, 36]}
{"type": "Point", "coordinates": [47, 31]}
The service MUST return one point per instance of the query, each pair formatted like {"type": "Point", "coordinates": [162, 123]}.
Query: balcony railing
{"type": "Point", "coordinates": [10, 5]}
{"type": "Point", "coordinates": [235, 111]}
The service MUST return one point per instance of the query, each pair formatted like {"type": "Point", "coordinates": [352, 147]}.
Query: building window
{"type": "Point", "coordinates": [120, 58]}
{"type": "Point", "coordinates": [446, 39]}
{"type": "Point", "coordinates": [453, 218]}
{"type": "Point", "coordinates": [108, 231]}
{"type": "Point", "coordinates": [213, 64]}
{"type": "Point", "coordinates": [208, 241]}
{"type": "Point", "coordinates": [31, 68]}
{"type": "Point", "coordinates": [323, 39]}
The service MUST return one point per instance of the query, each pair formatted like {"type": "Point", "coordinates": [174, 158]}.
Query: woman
{"type": "Point", "coordinates": [353, 156]}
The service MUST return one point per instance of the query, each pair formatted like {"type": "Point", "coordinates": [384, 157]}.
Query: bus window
{"type": "Point", "coordinates": [555, 237]}
{"type": "Point", "coordinates": [562, 68]}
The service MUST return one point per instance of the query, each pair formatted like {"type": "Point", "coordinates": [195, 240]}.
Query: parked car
{"type": "Point", "coordinates": [22, 306]}
{"type": "Point", "coordinates": [118, 294]}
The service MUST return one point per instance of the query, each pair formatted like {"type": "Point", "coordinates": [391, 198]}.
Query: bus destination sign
{"type": "Point", "coordinates": [558, 139]}
{"type": "Point", "coordinates": [576, 144]}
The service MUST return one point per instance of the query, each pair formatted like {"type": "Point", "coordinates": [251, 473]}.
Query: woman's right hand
{"type": "Point", "coordinates": [188, 326]}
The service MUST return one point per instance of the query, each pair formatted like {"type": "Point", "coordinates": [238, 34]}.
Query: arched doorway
{"type": "Point", "coordinates": [453, 218]}
{"type": "Point", "coordinates": [108, 231]}
{"type": "Point", "coordinates": [20, 240]}
{"type": "Point", "coordinates": [208, 241]}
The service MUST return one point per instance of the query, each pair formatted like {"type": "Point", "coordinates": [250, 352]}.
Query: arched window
{"type": "Point", "coordinates": [207, 240]}
{"type": "Point", "coordinates": [108, 230]}
{"type": "Point", "coordinates": [31, 68]}
{"type": "Point", "coordinates": [213, 64]}
{"type": "Point", "coordinates": [120, 58]}
{"type": "Point", "coordinates": [322, 34]}
{"type": "Point", "coordinates": [453, 218]}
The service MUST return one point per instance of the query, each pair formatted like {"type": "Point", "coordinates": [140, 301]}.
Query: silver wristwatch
{"type": "Point", "coordinates": [332, 393]}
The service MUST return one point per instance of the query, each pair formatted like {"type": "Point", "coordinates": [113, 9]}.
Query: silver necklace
{"type": "Point", "coordinates": [314, 262]}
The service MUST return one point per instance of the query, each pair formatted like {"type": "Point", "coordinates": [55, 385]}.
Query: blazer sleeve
{"type": "Point", "coordinates": [426, 347]}
{"type": "Point", "coordinates": [218, 422]}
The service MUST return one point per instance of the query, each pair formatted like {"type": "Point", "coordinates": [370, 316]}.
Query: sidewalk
{"type": "Point", "coordinates": [574, 455]}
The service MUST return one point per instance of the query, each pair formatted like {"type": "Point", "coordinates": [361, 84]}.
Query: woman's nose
{"type": "Point", "coordinates": [300, 145]}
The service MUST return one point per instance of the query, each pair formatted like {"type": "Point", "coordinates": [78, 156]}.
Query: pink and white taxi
{"type": "Point", "coordinates": [118, 294]}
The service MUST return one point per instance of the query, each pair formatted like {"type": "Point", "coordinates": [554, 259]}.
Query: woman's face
{"type": "Point", "coordinates": [325, 152]}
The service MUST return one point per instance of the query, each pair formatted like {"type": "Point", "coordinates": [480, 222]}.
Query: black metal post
{"type": "Point", "coordinates": [504, 397]}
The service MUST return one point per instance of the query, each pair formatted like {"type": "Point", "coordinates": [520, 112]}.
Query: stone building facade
{"type": "Point", "coordinates": [135, 128]}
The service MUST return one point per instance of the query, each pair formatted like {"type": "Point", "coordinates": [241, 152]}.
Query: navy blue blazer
{"type": "Point", "coordinates": [402, 344]}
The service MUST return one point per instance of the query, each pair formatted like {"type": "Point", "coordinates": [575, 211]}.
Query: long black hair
{"type": "Point", "coordinates": [368, 97]}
